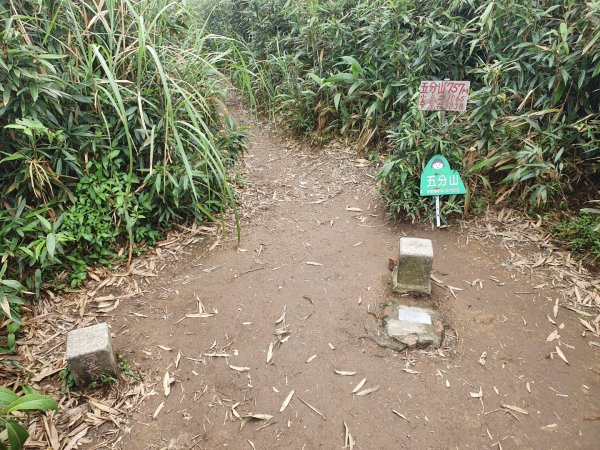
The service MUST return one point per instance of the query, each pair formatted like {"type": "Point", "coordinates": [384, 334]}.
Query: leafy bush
{"type": "Point", "coordinates": [111, 127]}
{"type": "Point", "coordinates": [11, 431]}
{"type": "Point", "coordinates": [353, 67]}
{"type": "Point", "coordinates": [580, 232]}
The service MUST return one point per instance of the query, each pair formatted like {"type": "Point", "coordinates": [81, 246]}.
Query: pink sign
{"type": "Point", "coordinates": [444, 95]}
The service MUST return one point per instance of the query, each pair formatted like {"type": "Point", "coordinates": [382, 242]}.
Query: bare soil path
{"type": "Point", "coordinates": [302, 281]}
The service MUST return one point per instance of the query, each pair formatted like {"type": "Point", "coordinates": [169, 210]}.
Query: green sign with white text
{"type": "Point", "coordinates": [439, 179]}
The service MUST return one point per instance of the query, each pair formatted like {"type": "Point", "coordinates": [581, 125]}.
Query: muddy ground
{"type": "Point", "coordinates": [497, 382]}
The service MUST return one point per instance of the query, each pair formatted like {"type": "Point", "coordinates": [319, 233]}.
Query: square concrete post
{"type": "Point", "coordinates": [415, 259]}
{"type": "Point", "coordinates": [90, 354]}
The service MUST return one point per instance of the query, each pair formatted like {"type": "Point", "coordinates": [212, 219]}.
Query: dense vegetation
{"type": "Point", "coordinates": [352, 68]}
{"type": "Point", "coordinates": [110, 129]}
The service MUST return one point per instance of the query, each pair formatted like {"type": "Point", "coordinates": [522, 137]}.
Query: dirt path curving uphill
{"type": "Point", "coordinates": [312, 262]}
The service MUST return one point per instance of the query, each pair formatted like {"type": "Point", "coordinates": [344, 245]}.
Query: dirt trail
{"type": "Point", "coordinates": [294, 213]}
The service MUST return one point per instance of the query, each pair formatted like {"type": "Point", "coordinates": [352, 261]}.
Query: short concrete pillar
{"type": "Point", "coordinates": [90, 354]}
{"type": "Point", "coordinates": [415, 259]}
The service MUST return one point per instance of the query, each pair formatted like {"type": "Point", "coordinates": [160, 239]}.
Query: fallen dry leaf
{"type": "Point", "coordinates": [240, 369]}
{"type": "Point", "coordinates": [345, 373]}
{"type": "Point", "coordinates": [286, 402]}
{"type": "Point", "coordinates": [482, 358]}
{"type": "Point", "coordinates": [368, 391]}
{"type": "Point", "coordinates": [316, 411]}
{"type": "Point", "coordinates": [349, 441]}
{"type": "Point", "coordinates": [477, 394]}
{"type": "Point", "coordinates": [359, 385]}
{"type": "Point", "coordinates": [561, 354]}
{"type": "Point", "coordinates": [157, 411]}
{"type": "Point", "coordinates": [515, 408]}
{"type": "Point", "coordinates": [167, 381]}
{"type": "Point", "coordinates": [552, 336]}
{"type": "Point", "coordinates": [400, 415]}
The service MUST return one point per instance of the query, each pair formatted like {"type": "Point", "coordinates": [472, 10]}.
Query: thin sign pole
{"type": "Point", "coordinates": [442, 117]}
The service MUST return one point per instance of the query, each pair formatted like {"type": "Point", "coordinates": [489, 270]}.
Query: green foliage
{"type": "Point", "coordinates": [353, 67]}
{"type": "Point", "coordinates": [12, 434]}
{"type": "Point", "coordinates": [580, 232]}
{"type": "Point", "coordinates": [111, 128]}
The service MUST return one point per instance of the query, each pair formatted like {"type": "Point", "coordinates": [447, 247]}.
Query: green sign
{"type": "Point", "coordinates": [439, 179]}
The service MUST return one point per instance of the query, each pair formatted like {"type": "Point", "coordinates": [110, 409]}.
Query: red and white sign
{"type": "Point", "coordinates": [444, 95]}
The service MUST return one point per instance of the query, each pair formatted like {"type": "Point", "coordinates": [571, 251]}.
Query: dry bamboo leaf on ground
{"type": "Point", "coordinates": [158, 409]}
{"type": "Point", "coordinates": [359, 385]}
{"type": "Point", "coordinates": [167, 381]}
{"type": "Point", "coordinates": [561, 354]}
{"type": "Point", "coordinates": [258, 416]}
{"type": "Point", "coordinates": [515, 408]}
{"type": "Point", "coordinates": [478, 394]}
{"type": "Point", "coordinates": [311, 358]}
{"type": "Point", "coordinates": [586, 324]}
{"type": "Point", "coordinates": [348, 439]}
{"type": "Point", "coordinates": [286, 402]}
{"type": "Point", "coordinates": [482, 358]}
{"type": "Point", "coordinates": [239, 369]}
{"type": "Point", "coordinates": [312, 263]}
{"type": "Point", "coordinates": [315, 410]}
{"type": "Point", "coordinates": [344, 373]}
{"type": "Point", "coordinates": [400, 415]}
{"type": "Point", "coordinates": [282, 316]}
{"type": "Point", "coordinates": [270, 353]}
{"type": "Point", "coordinates": [552, 336]}
{"type": "Point", "coordinates": [368, 391]}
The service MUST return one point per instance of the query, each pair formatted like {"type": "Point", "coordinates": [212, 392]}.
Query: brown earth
{"type": "Point", "coordinates": [295, 211]}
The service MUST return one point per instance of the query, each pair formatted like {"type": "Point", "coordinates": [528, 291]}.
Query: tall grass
{"type": "Point", "coordinates": [112, 126]}
{"type": "Point", "coordinates": [352, 68]}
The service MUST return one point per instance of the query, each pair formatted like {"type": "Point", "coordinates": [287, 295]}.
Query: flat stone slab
{"type": "Point", "coordinates": [415, 260]}
{"type": "Point", "coordinates": [400, 327]}
{"type": "Point", "coordinates": [90, 354]}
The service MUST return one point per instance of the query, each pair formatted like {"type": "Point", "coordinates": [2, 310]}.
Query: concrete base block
{"type": "Point", "coordinates": [401, 327]}
{"type": "Point", "coordinates": [415, 259]}
{"type": "Point", "coordinates": [415, 327]}
{"type": "Point", "coordinates": [90, 354]}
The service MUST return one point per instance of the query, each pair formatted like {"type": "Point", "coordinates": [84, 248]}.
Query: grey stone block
{"type": "Point", "coordinates": [415, 327]}
{"type": "Point", "coordinates": [401, 327]}
{"type": "Point", "coordinates": [415, 259]}
{"type": "Point", "coordinates": [90, 354]}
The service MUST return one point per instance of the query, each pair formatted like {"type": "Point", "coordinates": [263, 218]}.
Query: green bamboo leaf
{"type": "Point", "coordinates": [51, 244]}
{"type": "Point", "coordinates": [13, 284]}
{"type": "Point", "coordinates": [6, 397]}
{"type": "Point", "coordinates": [30, 402]}
{"type": "Point", "coordinates": [17, 435]}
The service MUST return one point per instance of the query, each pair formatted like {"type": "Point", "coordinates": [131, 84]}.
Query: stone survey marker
{"type": "Point", "coordinates": [415, 327]}
{"type": "Point", "coordinates": [415, 259]}
{"type": "Point", "coordinates": [90, 354]}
